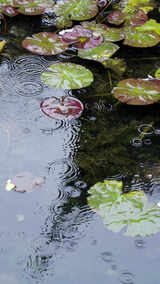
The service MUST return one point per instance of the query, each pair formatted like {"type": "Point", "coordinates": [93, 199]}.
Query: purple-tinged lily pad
{"type": "Point", "coordinates": [67, 76]}
{"type": "Point", "coordinates": [138, 18]}
{"type": "Point", "coordinates": [33, 7]}
{"type": "Point", "coordinates": [4, 3]}
{"type": "Point", "coordinates": [100, 53]}
{"type": "Point", "coordinates": [108, 33]}
{"type": "Point", "coordinates": [138, 91]}
{"type": "Point", "coordinates": [102, 3]}
{"type": "Point", "coordinates": [116, 17]}
{"type": "Point", "coordinates": [24, 182]}
{"type": "Point", "coordinates": [136, 38]}
{"type": "Point", "coordinates": [78, 10]}
{"type": "Point", "coordinates": [9, 11]}
{"type": "Point", "coordinates": [64, 108]}
{"type": "Point", "coordinates": [45, 43]}
{"type": "Point", "coordinates": [81, 37]}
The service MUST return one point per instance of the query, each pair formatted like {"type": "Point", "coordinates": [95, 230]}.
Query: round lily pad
{"type": "Point", "coordinates": [33, 7]}
{"type": "Point", "coordinates": [24, 182]}
{"type": "Point", "coordinates": [136, 38]}
{"type": "Point", "coordinates": [45, 43]}
{"type": "Point", "coordinates": [138, 91]}
{"type": "Point", "coordinates": [81, 37]}
{"type": "Point", "coordinates": [116, 17]}
{"type": "Point", "coordinates": [64, 108]}
{"type": "Point", "coordinates": [130, 212]}
{"type": "Point", "coordinates": [67, 76]}
{"type": "Point", "coordinates": [100, 53]}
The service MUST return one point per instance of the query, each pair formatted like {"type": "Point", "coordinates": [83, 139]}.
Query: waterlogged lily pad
{"type": "Point", "coordinates": [81, 37]}
{"type": "Point", "coordinates": [138, 91]}
{"type": "Point", "coordinates": [130, 212]}
{"type": "Point", "coordinates": [67, 76]}
{"type": "Point", "coordinates": [33, 7]}
{"type": "Point", "coordinates": [78, 10]}
{"type": "Point", "coordinates": [24, 182]}
{"type": "Point", "coordinates": [64, 108]}
{"type": "Point", "coordinates": [108, 33]}
{"type": "Point", "coordinates": [136, 38]}
{"type": "Point", "coordinates": [45, 43]}
{"type": "Point", "coordinates": [116, 64]}
{"type": "Point", "coordinates": [100, 53]}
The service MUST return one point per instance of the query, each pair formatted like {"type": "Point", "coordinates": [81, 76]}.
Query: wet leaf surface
{"type": "Point", "coordinates": [99, 53]}
{"type": "Point", "coordinates": [138, 91]}
{"type": "Point", "coordinates": [33, 7]}
{"type": "Point", "coordinates": [77, 10]}
{"type": "Point", "coordinates": [64, 108]}
{"type": "Point", "coordinates": [24, 182]}
{"type": "Point", "coordinates": [45, 43]}
{"type": "Point", "coordinates": [116, 17]}
{"type": "Point", "coordinates": [129, 211]}
{"type": "Point", "coordinates": [67, 76]}
{"type": "Point", "coordinates": [140, 38]}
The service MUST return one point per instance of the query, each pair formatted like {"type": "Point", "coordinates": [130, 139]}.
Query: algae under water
{"type": "Point", "coordinates": [51, 234]}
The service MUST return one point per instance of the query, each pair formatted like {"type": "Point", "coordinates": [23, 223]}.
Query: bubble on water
{"type": "Point", "coordinates": [136, 142]}
{"type": "Point", "coordinates": [126, 277]}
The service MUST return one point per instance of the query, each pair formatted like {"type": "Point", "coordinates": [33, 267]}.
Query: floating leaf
{"type": "Point", "coordinates": [157, 73]}
{"type": "Point", "coordinates": [100, 53]}
{"type": "Point", "coordinates": [116, 64]}
{"type": "Point", "coordinates": [77, 10]}
{"type": "Point", "coordinates": [150, 25]}
{"type": "Point", "coordinates": [138, 18]}
{"type": "Point", "coordinates": [116, 17]}
{"type": "Point", "coordinates": [129, 211]}
{"type": "Point", "coordinates": [140, 38]}
{"type": "Point", "coordinates": [64, 108]}
{"type": "Point", "coordinates": [9, 11]}
{"type": "Point", "coordinates": [45, 43]}
{"type": "Point", "coordinates": [33, 7]}
{"type": "Point", "coordinates": [67, 76]}
{"type": "Point", "coordinates": [6, 3]}
{"type": "Point", "coordinates": [108, 33]}
{"type": "Point", "coordinates": [81, 37]}
{"type": "Point", "coordinates": [138, 91]}
{"type": "Point", "coordinates": [24, 182]}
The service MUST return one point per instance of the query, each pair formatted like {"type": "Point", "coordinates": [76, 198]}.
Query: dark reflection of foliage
{"type": "Point", "coordinates": [64, 228]}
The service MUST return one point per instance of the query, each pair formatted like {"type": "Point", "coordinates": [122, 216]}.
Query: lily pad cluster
{"type": "Point", "coordinates": [130, 213]}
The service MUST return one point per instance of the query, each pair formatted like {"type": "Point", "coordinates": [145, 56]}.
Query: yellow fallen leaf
{"type": "Point", "coordinates": [2, 45]}
{"type": "Point", "coordinates": [9, 185]}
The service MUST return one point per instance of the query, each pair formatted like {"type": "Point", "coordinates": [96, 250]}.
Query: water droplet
{"type": "Point", "coordinates": [139, 243]}
{"type": "Point", "coordinates": [136, 142]}
{"type": "Point", "coordinates": [126, 277]}
{"type": "Point", "coordinates": [80, 184]}
{"type": "Point", "coordinates": [107, 256]}
{"type": "Point", "coordinates": [147, 141]}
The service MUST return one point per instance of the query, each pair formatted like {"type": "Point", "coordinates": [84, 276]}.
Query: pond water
{"type": "Point", "coordinates": [51, 235]}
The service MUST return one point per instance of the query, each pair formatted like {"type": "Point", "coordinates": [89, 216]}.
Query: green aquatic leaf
{"type": "Point", "coordinates": [67, 76]}
{"type": "Point", "coordinates": [116, 64]}
{"type": "Point", "coordinates": [78, 10]}
{"type": "Point", "coordinates": [33, 7]}
{"type": "Point", "coordinates": [129, 211]}
{"type": "Point", "coordinates": [136, 38]}
{"type": "Point", "coordinates": [100, 53]}
{"type": "Point", "coordinates": [138, 91]}
{"type": "Point", "coordinates": [150, 25]}
{"type": "Point", "coordinates": [157, 73]}
{"type": "Point", "coordinates": [45, 43]}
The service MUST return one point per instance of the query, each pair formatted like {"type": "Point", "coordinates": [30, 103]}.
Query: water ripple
{"type": "Point", "coordinates": [28, 88]}
{"type": "Point", "coordinates": [126, 277]}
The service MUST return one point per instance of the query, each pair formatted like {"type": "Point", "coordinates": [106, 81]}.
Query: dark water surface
{"type": "Point", "coordinates": [50, 235]}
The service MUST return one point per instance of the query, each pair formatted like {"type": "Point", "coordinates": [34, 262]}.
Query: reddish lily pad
{"type": "Point", "coordinates": [45, 43]}
{"type": "Point", "coordinates": [138, 18]}
{"type": "Point", "coordinates": [81, 37]}
{"type": "Point", "coordinates": [78, 10]}
{"type": "Point", "coordinates": [116, 17]}
{"type": "Point", "coordinates": [9, 11]}
{"type": "Point", "coordinates": [64, 108]}
{"type": "Point", "coordinates": [108, 33]}
{"type": "Point", "coordinates": [33, 7]}
{"type": "Point", "coordinates": [100, 53]}
{"type": "Point", "coordinates": [67, 76]}
{"type": "Point", "coordinates": [138, 91]}
{"type": "Point", "coordinates": [24, 182]}
{"type": "Point", "coordinates": [136, 38]}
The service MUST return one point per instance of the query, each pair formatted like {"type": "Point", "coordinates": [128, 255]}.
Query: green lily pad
{"type": "Point", "coordinates": [150, 25]}
{"type": "Point", "coordinates": [138, 91]}
{"type": "Point", "coordinates": [45, 43]}
{"type": "Point", "coordinates": [6, 3]}
{"type": "Point", "coordinates": [67, 76]}
{"type": "Point", "coordinates": [136, 38]}
{"type": "Point", "coordinates": [131, 212]}
{"type": "Point", "coordinates": [108, 33]}
{"type": "Point", "coordinates": [33, 7]}
{"type": "Point", "coordinates": [116, 64]}
{"type": "Point", "coordinates": [100, 53]}
{"type": "Point", "coordinates": [157, 73]}
{"type": "Point", "coordinates": [78, 10]}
